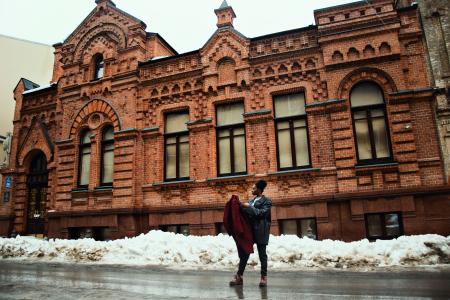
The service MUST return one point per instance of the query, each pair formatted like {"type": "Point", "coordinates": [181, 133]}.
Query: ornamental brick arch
{"type": "Point", "coordinates": [99, 107]}
{"type": "Point", "coordinates": [378, 76]}
{"type": "Point", "coordinates": [111, 31]}
{"type": "Point", "coordinates": [31, 154]}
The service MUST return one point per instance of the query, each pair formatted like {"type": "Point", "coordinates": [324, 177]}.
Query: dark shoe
{"type": "Point", "coordinates": [263, 281]}
{"type": "Point", "coordinates": [237, 280]}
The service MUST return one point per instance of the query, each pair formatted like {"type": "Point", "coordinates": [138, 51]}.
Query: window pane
{"type": "Point", "coordinates": [283, 125]}
{"type": "Point", "coordinates": [86, 137]}
{"type": "Point", "coordinates": [224, 133]}
{"type": "Point", "coordinates": [308, 227]}
{"type": "Point", "coordinates": [363, 139]}
{"type": "Point", "coordinates": [176, 122]}
{"type": "Point", "coordinates": [99, 67]}
{"type": "Point", "coordinates": [224, 153]}
{"type": "Point", "coordinates": [184, 229]}
{"type": "Point", "coordinates": [239, 154]}
{"type": "Point", "coordinates": [172, 228]}
{"type": "Point", "coordinates": [183, 138]}
{"type": "Point", "coordinates": [301, 147]}
{"type": "Point", "coordinates": [380, 137]}
{"type": "Point", "coordinates": [108, 134]}
{"type": "Point", "coordinates": [171, 140]}
{"type": "Point", "coordinates": [184, 159]}
{"type": "Point", "coordinates": [374, 223]}
{"type": "Point", "coordinates": [108, 162]}
{"type": "Point", "coordinates": [392, 225]}
{"type": "Point", "coordinates": [289, 227]}
{"type": "Point", "coordinates": [299, 123]}
{"type": "Point", "coordinates": [85, 164]}
{"type": "Point", "coordinates": [289, 105]}
{"type": "Point", "coordinates": [230, 114]}
{"type": "Point", "coordinates": [171, 161]}
{"type": "Point", "coordinates": [238, 131]}
{"type": "Point", "coordinates": [366, 93]}
{"type": "Point", "coordinates": [284, 146]}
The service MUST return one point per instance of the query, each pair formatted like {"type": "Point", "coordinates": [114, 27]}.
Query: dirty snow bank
{"type": "Point", "coordinates": [219, 252]}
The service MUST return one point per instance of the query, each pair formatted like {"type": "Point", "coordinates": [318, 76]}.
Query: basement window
{"type": "Point", "coordinates": [383, 225]}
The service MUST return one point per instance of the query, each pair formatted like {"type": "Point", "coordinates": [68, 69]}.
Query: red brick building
{"type": "Point", "coordinates": [336, 117]}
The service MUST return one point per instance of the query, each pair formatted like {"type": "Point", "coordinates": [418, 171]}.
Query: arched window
{"type": "Point", "coordinates": [37, 183]}
{"type": "Point", "coordinates": [107, 156]}
{"type": "Point", "coordinates": [370, 123]}
{"type": "Point", "coordinates": [85, 159]}
{"type": "Point", "coordinates": [99, 66]}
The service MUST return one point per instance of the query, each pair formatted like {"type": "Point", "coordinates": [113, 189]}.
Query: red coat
{"type": "Point", "coordinates": [237, 225]}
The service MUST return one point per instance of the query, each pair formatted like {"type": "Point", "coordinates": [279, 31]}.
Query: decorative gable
{"type": "Point", "coordinates": [226, 57]}
{"type": "Point", "coordinates": [37, 138]}
{"type": "Point", "coordinates": [105, 30]}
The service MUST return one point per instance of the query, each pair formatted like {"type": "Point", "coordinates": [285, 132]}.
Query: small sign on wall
{"type": "Point", "coordinates": [8, 182]}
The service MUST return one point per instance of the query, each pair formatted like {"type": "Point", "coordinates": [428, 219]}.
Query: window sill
{"type": "Point", "coordinates": [175, 182]}
{"type": "Point", "coordinates": [287, 172]}
{"type": "Point", "coordinates": [166, 184]}
{"type": "Point", "coordinates": [103, 191]}
{"type": "Point", "coordinates": [103, 188]}
{"type": "Point", "coordinates": [80, 190]}
{"type": "Point", "coordinates": [376, 166]}
{"type": "Point", "coordinates": [231, 177]}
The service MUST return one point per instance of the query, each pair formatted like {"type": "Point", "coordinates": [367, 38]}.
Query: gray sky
{"type": "Point", "coordinates": [185, 24]}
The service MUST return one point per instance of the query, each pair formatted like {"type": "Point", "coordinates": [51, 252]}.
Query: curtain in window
{"type": "Point", "coordinates": [85, 158]}
{"type": "Point", "coordinates": [292, 131]}
{"type": "Point", "coordinates": [176, 146]}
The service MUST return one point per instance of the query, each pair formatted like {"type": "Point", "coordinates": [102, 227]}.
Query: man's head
{"type": "Point", "coordinates": [258, 187]}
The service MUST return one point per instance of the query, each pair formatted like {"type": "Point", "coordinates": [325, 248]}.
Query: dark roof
{"type": "Point", "coordinates": [46, 88]}
{"type": "Point", "coordinates": [29, 85]}
{"type": "Point", "coordinates": [224, 4]}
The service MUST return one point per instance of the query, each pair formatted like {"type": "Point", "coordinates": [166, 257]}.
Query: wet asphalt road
{"type": "Point", "coordinates": [64, 281]}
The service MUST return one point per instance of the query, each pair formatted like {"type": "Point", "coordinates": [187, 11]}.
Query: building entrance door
{"type": "Point", "coordinates": [37, 181]}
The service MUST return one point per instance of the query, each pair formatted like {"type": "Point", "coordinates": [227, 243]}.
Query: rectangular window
{"type": "Point", "coordinates": [299, 227]}
{"type": "Point", "coordinates": [181, 229]}
{"type": "Point", "coordinates": [176, 146]}
{"type": "Point", "coordinates": [383, 225]}
{"type": "Point", "coordinates": [231, 139]}
{"type": "Point", "coordinates": [291, 131]}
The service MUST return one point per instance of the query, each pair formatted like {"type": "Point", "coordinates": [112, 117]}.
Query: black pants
{"type": "Point", "coordinates": [243, 258]}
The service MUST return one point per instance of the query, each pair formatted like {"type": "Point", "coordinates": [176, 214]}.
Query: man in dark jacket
{"type": "Point", "coordinates": [258, 211]}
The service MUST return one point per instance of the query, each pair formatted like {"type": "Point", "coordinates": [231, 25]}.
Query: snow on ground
{"type": "Point", "coordinates": [285, 252]}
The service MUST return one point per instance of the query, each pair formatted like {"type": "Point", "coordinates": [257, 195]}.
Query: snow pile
{"type": "Point", "coordinates": [219, 252]}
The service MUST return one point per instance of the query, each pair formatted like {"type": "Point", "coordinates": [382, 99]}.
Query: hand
{"type": "Point", "coordinates": [245, 205]}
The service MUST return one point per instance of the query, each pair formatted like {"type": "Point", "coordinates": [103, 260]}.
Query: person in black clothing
{"type": "Point", "coordinates": [258, 211]}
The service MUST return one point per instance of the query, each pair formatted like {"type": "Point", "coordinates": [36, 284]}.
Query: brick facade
{"type": "Point", "coordinates": [350, 44]}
